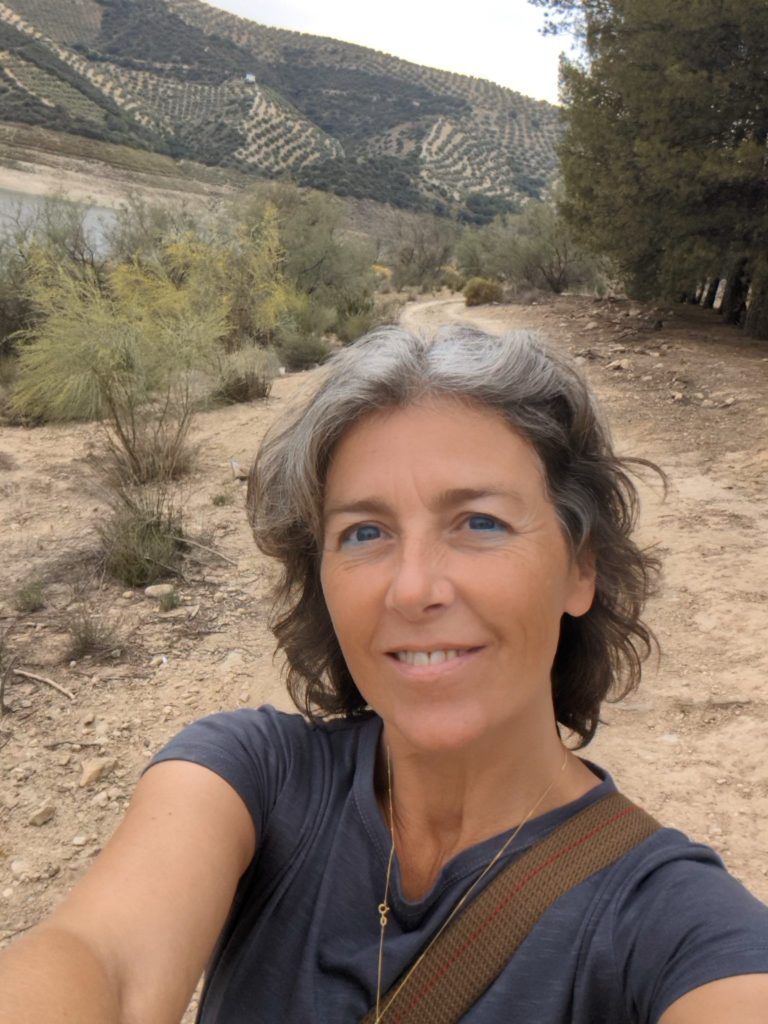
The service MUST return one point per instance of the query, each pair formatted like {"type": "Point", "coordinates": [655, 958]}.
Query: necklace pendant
{"type": "Point", "coordinates": [383, 909]}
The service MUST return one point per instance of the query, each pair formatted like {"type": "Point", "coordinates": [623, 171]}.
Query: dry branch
{"type": "Point", "coordinates": [43, 679]}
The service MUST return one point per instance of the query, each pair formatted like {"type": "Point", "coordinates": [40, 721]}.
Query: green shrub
{"type": "Point", "coordinates": [168, 602]}
{"type": "Point", "coordinates": [480, 290]}
{"type": "Point", "coordinates": [142, 540]}
{"type": "Point", "coordinates": [245, 376]}
{"type": "Point", "coordinates": [300, 353]}
{"type": "Point", "coordinates": [152, 447]}
{"type": "Point", "coordinates": [28, 597]}
{"type": "Point", "coordinates": [89, 632]}
{"type": "Point", "coordinates": [9, 365]}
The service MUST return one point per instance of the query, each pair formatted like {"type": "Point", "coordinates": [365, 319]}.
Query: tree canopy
{"type": "Point", "coordinates": [664, 159]}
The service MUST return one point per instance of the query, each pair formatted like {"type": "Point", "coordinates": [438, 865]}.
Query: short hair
{"type": "Point", "coordinates": [540, 394]}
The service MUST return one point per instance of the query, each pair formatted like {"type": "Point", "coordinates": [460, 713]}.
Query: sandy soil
{"type": "Point", "coordinates": [98, 183]}
{"type": "Point", "coordinates": [679, 388]}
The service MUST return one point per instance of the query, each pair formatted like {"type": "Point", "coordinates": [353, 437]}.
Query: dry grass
{"type": "Point", "coordinates": [141, 539]}
{"type": "Point", "coordinates": [29, 597]}
{"type": "Point", "coordinates": [90, 633]}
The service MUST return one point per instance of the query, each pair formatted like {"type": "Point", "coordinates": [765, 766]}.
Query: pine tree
{"type": "Point", "coordinates": [664, 158]}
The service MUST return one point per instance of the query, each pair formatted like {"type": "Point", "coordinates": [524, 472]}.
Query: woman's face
{"type": "Point", "coordinates": [446, 573]}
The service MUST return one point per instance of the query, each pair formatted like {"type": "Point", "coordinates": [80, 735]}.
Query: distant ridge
{"type": "Point", "coordinates": [186, 79]}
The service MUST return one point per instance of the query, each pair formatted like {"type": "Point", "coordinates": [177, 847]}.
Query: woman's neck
{"type": "Point", "coordinates": [448, 801]}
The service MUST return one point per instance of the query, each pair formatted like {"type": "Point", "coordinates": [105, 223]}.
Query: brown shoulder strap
{"type": "Point", "coordinates": [474, 948]}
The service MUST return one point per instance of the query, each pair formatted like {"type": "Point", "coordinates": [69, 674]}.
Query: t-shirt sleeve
{"type": "Point", "coordinates": [683, 923]}
{"type": "Point", "coordinates": [253, 749]}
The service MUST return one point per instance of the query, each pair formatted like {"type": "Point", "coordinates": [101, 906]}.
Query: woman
{"type": "Point", "coordinates": [459, 589]}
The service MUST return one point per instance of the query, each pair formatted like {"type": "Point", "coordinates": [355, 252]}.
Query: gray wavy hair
{"type": "Point", "coordinates": [538, 393]}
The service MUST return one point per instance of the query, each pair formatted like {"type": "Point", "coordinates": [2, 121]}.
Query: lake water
{"type": "Point", "coordinates": [98, 219]}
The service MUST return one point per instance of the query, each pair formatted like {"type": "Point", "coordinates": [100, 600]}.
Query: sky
{"type": "Point", "coordinates": [494, 39]}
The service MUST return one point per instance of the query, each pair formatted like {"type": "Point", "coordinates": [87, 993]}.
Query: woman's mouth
{"type": "Point", "coordinates": [421, 659]}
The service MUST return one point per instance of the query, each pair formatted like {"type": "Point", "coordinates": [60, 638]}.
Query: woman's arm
{"type": "Point", "coordinates": [740, 1000]}
{"type": "Point", "coordinates": [129, 943]}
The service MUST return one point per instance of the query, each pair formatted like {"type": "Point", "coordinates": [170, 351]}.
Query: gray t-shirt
{"type": "Point", "coordinates": [301, 943]}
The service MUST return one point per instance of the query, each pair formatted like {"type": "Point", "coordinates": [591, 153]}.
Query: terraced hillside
{"type": "Point", "coordinates": [184, 78]}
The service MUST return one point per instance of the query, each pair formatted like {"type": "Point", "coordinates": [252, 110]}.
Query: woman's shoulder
{"type": "Point", "coordinates": [679, 919]}
{"type": "Point", "coordinates": [259, 729]}
{"type": "Point", "coordinates": [262, 751]}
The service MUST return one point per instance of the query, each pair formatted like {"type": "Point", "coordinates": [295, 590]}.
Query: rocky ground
{"type": "Point", "coordinates": [679, 388]}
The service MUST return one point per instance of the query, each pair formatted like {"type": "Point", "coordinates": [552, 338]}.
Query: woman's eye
{"type": "Point", "coordinates": [485, 524]}
{"type": "Point", "coordinates": [361, 534]}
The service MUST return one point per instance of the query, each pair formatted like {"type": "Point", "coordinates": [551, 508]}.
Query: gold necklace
{"type": "Point", "coordinates": [384, 907]}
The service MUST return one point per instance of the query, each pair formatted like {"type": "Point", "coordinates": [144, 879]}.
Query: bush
{"type": "Point", "coordinates": [142, 540]}
{"type": "Point", "coordinates": [300, 353]}
{"type": "Point", "coordinates": [168, 602]}
{"type": "Point", "coordinates": [245, 376]}
{"type": "Point", "coordinates": [480, 290]}
{"type": "Point", "coordinates": [28, 597]}
{"type": "Point", "coordinates": [152, 447]}
{"type": "Point", "coordinates": [89, 632]}
{"type": "Point", "coordinates": [452, 279]}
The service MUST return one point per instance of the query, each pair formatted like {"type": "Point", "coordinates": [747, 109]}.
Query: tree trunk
{"type": "Point", "coordinates": [709, 293]}
{"type": "Point", "coordinates": [756, 322]}
{"type": "Point", "coordinates": [734, 304]}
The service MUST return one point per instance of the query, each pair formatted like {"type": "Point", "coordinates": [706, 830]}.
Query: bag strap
{"type": "Point", "coordinates": [473, 950]}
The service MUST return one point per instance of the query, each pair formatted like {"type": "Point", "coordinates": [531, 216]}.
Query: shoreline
{"type": "Point", "coordinates": [96, 183]}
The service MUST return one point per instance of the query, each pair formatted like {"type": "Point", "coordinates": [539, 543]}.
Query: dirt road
{"type": "Point", "coordinates": [690, 744]}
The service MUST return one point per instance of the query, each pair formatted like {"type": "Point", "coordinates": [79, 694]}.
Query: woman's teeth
{"type": "Point", "coordinates": [426, 657]}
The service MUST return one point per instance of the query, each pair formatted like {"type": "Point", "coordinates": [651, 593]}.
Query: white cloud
{"type": "Point", "coordinates": [494, 39]}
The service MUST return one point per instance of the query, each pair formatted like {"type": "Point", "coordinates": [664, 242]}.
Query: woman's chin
{"type": "Point", "coordinates": [439, 734]}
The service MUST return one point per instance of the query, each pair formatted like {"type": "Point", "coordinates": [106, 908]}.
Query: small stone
{"type": "Point", "coordinates": [729, 401]}
{"type": "Point", "coordinates": [80, 840]}
{"type": "Point", "coordinates": [101, 799]}
{"type": "Point", "coordinates": [219, 596]}
{"type": "Point", "coordinates": [707, 404]}
{"type": "Point", "coordinates": [677, 396]}
{"type": "Point", "coordinates": [158, 590]}
{"type": "Point", "coordinates": [127, 595]}
{"type": "Point", "coordinates": [95, 770]}
{"type": "Point", "coordinates": [42, 814]}
{"type": "Point", "coordinates": [619, 364]}
{"type": "Point", "coordinates": [114, 793]}
{"type": "Point", "coordinates": [591, 326]}
{"type": "Point", "coordinates": [7, 893]}
{"type": "Point", "coordinates": [20, 868]}
{"type": "Point", "coordinates": [89, 718]}
{"type": "Point", "coordinates": [159, 660]}
{"type": "Point", "coordinates": [63, 759]}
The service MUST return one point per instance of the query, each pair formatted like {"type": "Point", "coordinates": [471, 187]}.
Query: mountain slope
{"type": "Point", "coordinates": [181, 77]}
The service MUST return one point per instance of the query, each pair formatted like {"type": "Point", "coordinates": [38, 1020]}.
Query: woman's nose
{"type": "Point", "coordinates": [419, 583]}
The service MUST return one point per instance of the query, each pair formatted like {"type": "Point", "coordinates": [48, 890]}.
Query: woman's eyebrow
{"type": "Point", "coordinates": [447, 499]}
{"type": "Point", "coordinates": [363, 506]}
{"type": "Point", "coordinates": [461, 495]}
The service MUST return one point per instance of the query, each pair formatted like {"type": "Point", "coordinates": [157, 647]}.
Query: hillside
{"type": "Point", "coordinates": [182, 78]}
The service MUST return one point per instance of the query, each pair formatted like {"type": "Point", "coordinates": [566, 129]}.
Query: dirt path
{"type": "Point", "coordinates": [680, 390]}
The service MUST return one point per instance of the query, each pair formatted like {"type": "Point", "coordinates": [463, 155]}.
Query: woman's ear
{"type": "Point", "coordinates": [582, 583]}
